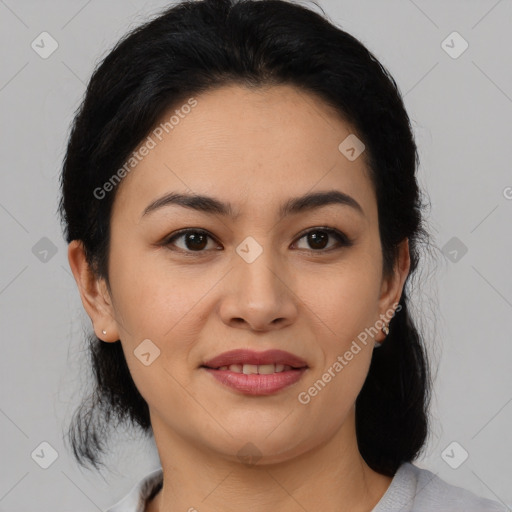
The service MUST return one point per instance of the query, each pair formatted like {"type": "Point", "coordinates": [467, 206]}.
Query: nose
{"type": "Point", "coordinates": [258, 295]}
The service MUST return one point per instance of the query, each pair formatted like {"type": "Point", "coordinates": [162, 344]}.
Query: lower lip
{"type": "Point", "coordinates": [256, 384]}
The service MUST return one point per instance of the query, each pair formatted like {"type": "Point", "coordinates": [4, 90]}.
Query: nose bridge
{"type": "Point", "coordinates": [257, 293]}
{"type": "Point", "coordinates": [256, 265]}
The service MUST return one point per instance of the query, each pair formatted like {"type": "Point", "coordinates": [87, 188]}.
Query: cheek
{"type": "Point", "coordinates": [153, 304]}
{"type": "Point", "coordinates": [344, 298]}
{"type": "Point", "coordinates": [167, 306]}
{"type": "Point", "coordinates": [149, 297]}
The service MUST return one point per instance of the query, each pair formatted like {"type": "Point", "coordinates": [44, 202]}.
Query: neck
{"type": "Point", "coordinates": [332, 478]}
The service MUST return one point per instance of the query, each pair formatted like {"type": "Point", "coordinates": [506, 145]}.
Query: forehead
{"type": "Point", "coordinates": [253, 145]}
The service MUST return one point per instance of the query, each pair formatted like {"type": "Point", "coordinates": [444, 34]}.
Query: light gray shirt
{"type": "Point", "coordinates": [412, 489]}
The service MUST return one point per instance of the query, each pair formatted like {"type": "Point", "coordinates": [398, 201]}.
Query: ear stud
{"type": "Point", "coordinates": [385, 330]}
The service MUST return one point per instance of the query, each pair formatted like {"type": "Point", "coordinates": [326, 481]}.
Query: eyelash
{"type": "Point", "coordinates": [343, 240]}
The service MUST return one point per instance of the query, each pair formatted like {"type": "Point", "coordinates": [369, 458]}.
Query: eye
{"type": "Point", "coordinates": [194, 240]}
{"type": "Point", "coordinates": [318, 238]}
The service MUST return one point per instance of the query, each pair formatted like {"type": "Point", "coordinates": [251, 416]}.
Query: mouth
{"type": "Point", "coordinates": [250, 361]}
{"type": "Point", "coordinates": [256, 373]}
{"type": "Point", "coordinates": [253, 369]}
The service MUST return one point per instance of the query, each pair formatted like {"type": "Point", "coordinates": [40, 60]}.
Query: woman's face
{"type": "Point", "coordinates": [255, 279]}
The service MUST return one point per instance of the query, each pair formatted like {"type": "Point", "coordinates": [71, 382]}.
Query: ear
{"type": "Point", "coordinates": [393, 285]}
{"type": "Point", "coordinates": [94, 294]}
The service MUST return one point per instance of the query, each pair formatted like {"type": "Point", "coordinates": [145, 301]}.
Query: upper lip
{"type": "Point", "coordinates": [244, 356]}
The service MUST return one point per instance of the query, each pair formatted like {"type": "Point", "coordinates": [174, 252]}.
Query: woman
{"type": "Point", "coordinates": [242, 212]}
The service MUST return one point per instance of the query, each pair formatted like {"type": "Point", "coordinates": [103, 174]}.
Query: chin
{"type": "Point", "coordinates": [260, 446]}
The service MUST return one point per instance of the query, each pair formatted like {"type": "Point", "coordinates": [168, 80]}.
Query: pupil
{"type": "Point", "coordinates": [193, 241]}
{"type": "Point", "coordinates": [313, 239]}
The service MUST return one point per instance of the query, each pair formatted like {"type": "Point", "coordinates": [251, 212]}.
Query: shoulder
{"type": "Point", "coordinates": [135, 500]}
{"type": "Point", "coordinates": [414, 489]}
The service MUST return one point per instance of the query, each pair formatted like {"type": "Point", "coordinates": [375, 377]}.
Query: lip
{"type": "Point", "coordinates": [244, 356]}
{"type": "Point", "coordinates": [256, 384]}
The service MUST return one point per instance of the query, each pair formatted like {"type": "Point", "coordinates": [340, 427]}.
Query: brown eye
{"type": "Point", "coordinates": [196, 240]}
{"type": "Point", "coordinates": [318, 239]}
{"type": "Point", "coordinates": [193, 240]}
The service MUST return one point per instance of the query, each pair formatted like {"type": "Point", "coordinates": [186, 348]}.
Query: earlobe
{"type": "Point", "coordinates": [93, 293]}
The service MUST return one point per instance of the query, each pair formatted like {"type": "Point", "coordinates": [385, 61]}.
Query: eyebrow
{"type": "Point", "coordinates": [292, 206]}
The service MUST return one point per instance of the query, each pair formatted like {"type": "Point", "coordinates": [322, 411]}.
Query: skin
{"type": "Point", "coordinates": [255, 148]}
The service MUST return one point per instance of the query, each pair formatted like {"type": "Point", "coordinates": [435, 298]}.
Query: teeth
{"type": "Point", "coordinates": [252, 369]}
{"type": "Point", "coordinates": [266, 369]}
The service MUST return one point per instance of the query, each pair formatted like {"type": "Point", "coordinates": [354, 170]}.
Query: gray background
{"type": "Point", "coordinates": [461, 110]}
